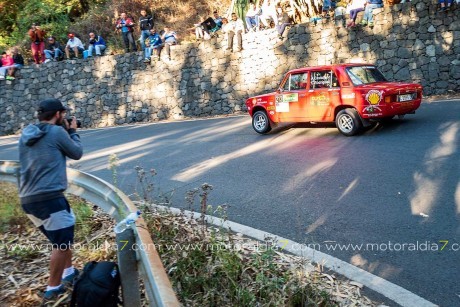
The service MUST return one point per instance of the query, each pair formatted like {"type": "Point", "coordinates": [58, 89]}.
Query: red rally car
{"type": "Point", "coordinates": [351, 95]}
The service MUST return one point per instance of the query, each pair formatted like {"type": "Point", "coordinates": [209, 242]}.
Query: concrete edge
{"type": "Point", "coordinates": [392, 291]}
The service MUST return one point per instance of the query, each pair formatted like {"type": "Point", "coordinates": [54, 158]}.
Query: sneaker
{"type": "Point", "coordinates": [69, 281]}
{"type": "Point", "coordinates": [47, 61]}
{"type": "Point", "coordinates": [146, 60]}
{"type": "Point", "coordinates": [371, 24]}
{"type": "Point", "coordinates": [50, 296]}
{"type": "Point", "coordinates": [10, 78]}
{"type": "Point", "coordinates": [363, 23]}
{"type": "Point", "coordinates": [2, 77]}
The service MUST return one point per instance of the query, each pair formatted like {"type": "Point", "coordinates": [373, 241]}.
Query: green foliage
{"type": "Point", "coordinates": [11, 214]}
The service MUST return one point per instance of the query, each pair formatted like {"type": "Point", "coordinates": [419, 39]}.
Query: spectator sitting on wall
{"type": "Point", "coordinates": [73, 45]}
{"type": "Point", "coordinates": [368, 18]}
{"type": "Point", "coordinates": [283, 21]}
{"type": "Point", "coordinates": [169, 38]}
{"type": "Point", "coordinates": [212, 24]}
{"type": "Point", "coordinates": [355, 7]}
{"type": "Point", "coordinates": [17, 58]}
{"type": "Point", "coordinates": [232, 28]}
{"type": "Point", "coordinates": [155, 44]}
{"type": "Point", "coordinates": [445, 7]}
{"type": "Point", "coordinates": [268, 12]}
{"type": "Point", "coordinates": [199, 33]}
{"type": "Point", "coordinates": [37, 36]}
{"type": "Point", "coordinates": [252, 17]}
{"type": "Point", "coordinates": [96, 43]}
{"type": "Point", "coordinates": [53, 50]}
{"type": "Point", "coordinates": [7, 67]}
{"type": "Point", "coordinates": [327, 5]}
{"type": "Point", "coordinates": [126, 26]}
{"type": "Point", "coordinates": [145, 25]}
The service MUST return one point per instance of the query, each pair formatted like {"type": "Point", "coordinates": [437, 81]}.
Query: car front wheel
{"type": "Point", "coordinates": [348, 122]}
{"type": "Point", "coordinates": [260, 122]}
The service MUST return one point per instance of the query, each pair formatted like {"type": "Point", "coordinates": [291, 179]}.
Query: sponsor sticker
{"type": "Point", "coordinates": [282, 101]}
{"type": "Point", "coordinates": [320, 100]}
{"type": "Point", "coordinates": [373, 97]}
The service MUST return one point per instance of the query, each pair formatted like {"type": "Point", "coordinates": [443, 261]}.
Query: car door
{"type": "Point", "coordinates": [291, 99]}
{"type": "Point", "coordinates": [323, 94]}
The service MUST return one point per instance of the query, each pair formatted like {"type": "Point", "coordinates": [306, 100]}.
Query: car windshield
{"type": "Point", "coordinates": [365, 75]}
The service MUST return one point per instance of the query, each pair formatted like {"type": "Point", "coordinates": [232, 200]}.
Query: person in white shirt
{"type": "Point", "coordinates": [232, 28]}
{"type": "Point", "coordinates": [268, 11]}
{"type": "Point", "coordinates": [252, 17]}
{"type": "Point", "coordinates": [73, 44]}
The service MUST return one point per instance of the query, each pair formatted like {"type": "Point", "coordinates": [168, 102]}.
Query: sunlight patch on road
{"type": "Point", "coordinates": [350, 188]}
{"type": "Point", "coordinates": [292, 184]}
{"type": "Point", "coordinates": [429, 182]}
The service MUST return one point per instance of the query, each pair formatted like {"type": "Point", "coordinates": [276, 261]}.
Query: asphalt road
{"type": "Point", "coordinates": [394, 189]}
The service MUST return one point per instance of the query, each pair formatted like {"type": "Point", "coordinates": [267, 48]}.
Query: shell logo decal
{"type": "Point", "coordinates": [374, 97]}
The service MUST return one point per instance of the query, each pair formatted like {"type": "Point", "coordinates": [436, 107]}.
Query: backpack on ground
{"type": "Point", "coordinates": [98, 285]}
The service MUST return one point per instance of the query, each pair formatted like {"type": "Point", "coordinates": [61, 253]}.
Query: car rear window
{"type": "Point", "coordinates": [365, 75]}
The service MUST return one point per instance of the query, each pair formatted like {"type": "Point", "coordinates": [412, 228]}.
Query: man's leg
{"type": "Point", "coordinates": [99, 49]}
{"type": "Point", "coordinates": [67, 52]}
{"type": "Point", "coordinates": [48, 54]}
{"type": "Point", "coordinates": [239, 40]}
{"type": "Point", "coordinates": [75, 50]}
{"type": "Point", "coordinates": [42, 51]}
{"type": "Point", "coordinates": [125, 40]}
{"type": "Point", "coordinates": [132, 41]}
{"type": "Point", "coordinates": [230, 40]}
{"type": "Point", "coordinates": [35, 50]}
{"type": "Point", "coordinates": [168, 50]}
{"type": "Point", "coordinates": [90, 50]}
{"type": "Point", "coordinates": [60, 259]}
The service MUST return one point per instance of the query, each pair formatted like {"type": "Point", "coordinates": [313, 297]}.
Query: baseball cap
{"type": "Point", "coordinates": [70, 35]}
{"type": "Point", "coordinates": [51, 104]}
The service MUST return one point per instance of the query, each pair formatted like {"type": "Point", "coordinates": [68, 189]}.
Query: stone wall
{"type": "Point", "coordinates": [410, 42]}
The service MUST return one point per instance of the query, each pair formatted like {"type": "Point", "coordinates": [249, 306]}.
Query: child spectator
{"type": "Point", "coordinates": [368, 18]}
{"type": "Point", "coordinates": [355, 7]}
{"type": "Point", "coordinates": [53, 50]}
{"type": "Point", "coordinates": [252, 17]}
{"type": "Point", "coordinates": [169, 38]}
{"type": "Point", "coordinates": [74, 44]}
{"type": "Point", "coordinates": [283, 21]}
{"type": "Point", "coordinates": [37, 37]}
{"type": "Point", "coordinates": [126, 26]}
{"type": "Point", "coordinates": [7, 66]}
{"type": "Point", "coordinates": [145, 25]}
{"type": "Point", "coordinates": [155, 44]}
{"type": "Point", "coordinates": [17, 58]}
{"type": "Point", "coordinates": [96, 43]}
{"type": "Point", "coordinates": [232, 28]}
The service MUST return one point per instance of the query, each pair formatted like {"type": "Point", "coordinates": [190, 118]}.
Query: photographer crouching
{"type": "Point", "coordinates": [43, 149]}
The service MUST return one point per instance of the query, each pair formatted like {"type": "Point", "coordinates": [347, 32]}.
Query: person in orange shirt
{"type": "Point", "coordinates": [37, 36]}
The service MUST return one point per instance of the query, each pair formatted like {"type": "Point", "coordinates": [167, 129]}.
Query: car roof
{"type": "Point", "coordinates": [329, 66]}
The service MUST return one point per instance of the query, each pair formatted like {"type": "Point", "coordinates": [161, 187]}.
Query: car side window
{"type": "Point", "coordinates": [323, 79]}
{"type": "Point", "coordinates": [296, 82]}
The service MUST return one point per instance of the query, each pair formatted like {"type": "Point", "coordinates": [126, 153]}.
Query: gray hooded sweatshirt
{"type": "Point", "coordinates": [43, 149]}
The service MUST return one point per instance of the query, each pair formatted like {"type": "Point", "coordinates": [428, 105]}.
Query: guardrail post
{"type": "Point", "coordinates": [128, 268]}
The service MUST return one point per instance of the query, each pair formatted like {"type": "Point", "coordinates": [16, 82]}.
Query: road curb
{"type": "Point", "coordinates": [392, 291]}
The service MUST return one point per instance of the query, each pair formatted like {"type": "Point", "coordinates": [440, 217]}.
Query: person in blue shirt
{"type": "Point", "coordinates": [169, 38]}
{"type": "Point", "coordinates": [145, 25]}
{"type": "Point", "coordinates": [97, 43]}
{"type": "Point", "coordinates": [154, 43]}
{"type": "Point", "coordinates": [368, 18]}
{"type": "Point", "coordinates": [126, 25]}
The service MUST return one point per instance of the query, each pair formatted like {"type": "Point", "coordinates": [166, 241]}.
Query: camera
{"type": "Point", "coordinates": [69, 120]}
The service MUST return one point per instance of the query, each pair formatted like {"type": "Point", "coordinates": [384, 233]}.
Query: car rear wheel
{"type": "Point", "coordinates": [260, 122]}
{"type": "Point", "coordinates": [348, 122]}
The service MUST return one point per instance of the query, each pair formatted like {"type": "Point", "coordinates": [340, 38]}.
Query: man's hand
{"type": "Point", "coordinates": [73, 123]}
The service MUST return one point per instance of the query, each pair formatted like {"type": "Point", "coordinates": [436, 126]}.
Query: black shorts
{"type": "Point", "coordinates": [55, 219]}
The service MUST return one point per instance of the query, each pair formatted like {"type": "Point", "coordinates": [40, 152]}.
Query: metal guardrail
{"type": "Point", "coordinates": [115, 202]}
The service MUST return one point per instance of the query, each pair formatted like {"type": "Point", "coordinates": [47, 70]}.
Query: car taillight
{"type": "Point", "coordinates": [387, 99]}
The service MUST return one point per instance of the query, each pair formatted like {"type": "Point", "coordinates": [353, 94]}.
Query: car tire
{"type": "Point", "coordinates": [261, 122]}
{"type": "Point", "coordinates": [348, 122]}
